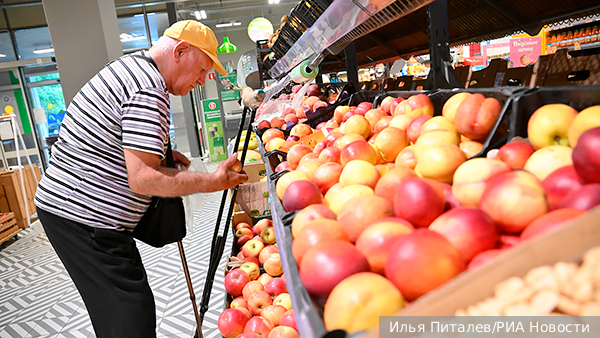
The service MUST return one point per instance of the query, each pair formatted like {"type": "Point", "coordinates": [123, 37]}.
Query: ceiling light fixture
{"type": "Point", "coordinates": [43, 51]}
{"type": "Point", "coordinates": [227, 47]}
{"type": "Point", "coordinates": [273, 2]}
{"type": "Point", "coordinates": [224, 24]}
{"type": "Point", "coordinates": [2, 56]}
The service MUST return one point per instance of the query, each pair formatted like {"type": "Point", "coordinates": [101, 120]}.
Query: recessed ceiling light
{"type": "Point", "coordinates": [43, 51]}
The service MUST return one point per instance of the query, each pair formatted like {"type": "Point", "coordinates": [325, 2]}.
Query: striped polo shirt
{"type": "Point", "coordinates": [125, 105]}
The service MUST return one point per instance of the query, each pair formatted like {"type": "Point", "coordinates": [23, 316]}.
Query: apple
{"type": "Point", "coordinates": [513, 200]}
{"type": "Point", "coordinates": [284, 300]}
{"type": "Point", "coordinates": [439, 162]}
{"type": "Point", "coordinates": [549, 222]}
{"type": "Point", "coordinates": [266, 252]}
{"type": "Point", "coordinates": [243, 240]}
{"type": "Point", "coordinates": [359, 172]}
{"type": "Point", "coordinates": [267, 235]}
{"type": "Point", "coordinates": [288, 178]}
{"type": "Point", "coordinates": [585, 158]}
{"type": "Point", "coordinates": [363, 107]}
{"type": "Point", "coordinates": [273, 313]}
{"type": "Point", "coordinates": [243, 225]}
{"type": "Point", "coordinates": [258, 325]}
{"type": "Point", "coordinates": [337, 200]}
{"type": "Point", "coordinates": [559, 183]}
{"type": "Point", "coordinates": [243, 231]}
{"type": "Point", "coordinates": [272, 265]}
{"type": "Point", "coordinates": [235, 281]}
{"type": "Point", "coordinates": [309, 214]}
{"type": "Point", "coordinates": [283, 332]}
{"type": "Point", "coordinates": [317, 231]}
{"type": "Point", "coordinates": [361, 211]}
{"type": "Point", "coordinates": [470, 230]}
{"type": "Point", "coordinates": [291, 141]}
{"type": "Point", "coordinates": [276, 144]}
{"type": "Point", "coordinates": [483, 258]}
{"type": "Point", "coordinates": [421, 261]}
{"type": "Point", "coordinates": [383, 123]}
{"type": "Point", "coordinates": [278, 122]}
{"type": "Point", "coordinates": [341, 258]}
{"type": "Point", "coordinates": [301, 194]}
{"type": "Point", "coordinates": [449, 109]}
{"type": "Point", "coordinates": [288, 319]}
{"type": "Point", "coordinates": [343, 141]}
{"type": "Point", "coordinates": [238, 302]}
{"type": "Point", "coordinates": [358, 124]}
{"type": "Point", "coordinates": [327, 175]}
{"type": "Point", "coordinates": [291, 118]}
{"type": "Point", "coordinates": [357, 303]}
{"type": "Point", "coordinates": [419, 201]}
{"type": "Point", "coordinates": [395, 104]}
{"type": "Point", "coordinates": [386, 104]}
{"type": "Point", "coordinates": [549, 125]}
{"type": "Point", "coordinates": [270, 134]}
{"type": "Point", "coordinates": [231, 323]}
{"type": "Point", "coordinates": [252, 248]}
{"type": "Point", "coordinates": [240, 255]}
{"type": "Point", "coordinates": [358, 150]}
{"type": "Point", "coordinates": [471, 148]}
{"type": "Point", "coordinates": [390, 142]}
{"type": "Point", "coordinates": [515, 154]}
{"type": "Point", "coordinates": [264, 278]}
{"type": "Point", "coordinates": [471, 177]}
{"type": "Point", "coordinates": [252, 269]}
{"type": "Point", "coordinates": [339, 112]}
{"type": "Point", "coordinates": [435, 137]}
{"type": "Point", "coordinates": [301, 130]}
{"type": "Point", "coordinates": [251, 288]}
{"type": "Point", "coordinates": [374, 115]}
{"type": "Point", "coordinates": [251, 260]}
{"type": "Point", "coordinates": [476, 116]}
{"type": "Point", "coordinates": [402, 121]}
{"type": "Point", "coordinates": [330, 154]}
{"type": "Point", "coordinates": [415, 105]}
{"type": "Point", "coordinates": [295, 154]}
{"type": "Point", "coordinates": [275, 287]}
{"type": "Point", "coordinates": [406, 158]}
{"type": "Point", "coordinates": [377, 239]}
{"type": "Point", "coordinates": [436, 123]}
{"type": "Point", "coordinates": [283, 166]}
{"type": "Point", "coordinates": [388, 183]}
{"type": "Point", "coordinates": [319, 147]}
{"type": "Point", "coordinates": [263, 124]}
{"type": "Point", "coordinates": [546, 160]}
{"type": "Point", "coordinates": [585, 198]}
{"type": "Point", "coordinates": [258, 301]}
{"type": "Point", "coordinates": [249, 335]}
{"type": "Point", "coordinates": [413, 131]}
{"type": "Point", "coordinates": [587, 119]}
{"type": "Point", "coordinates": [260, 225]}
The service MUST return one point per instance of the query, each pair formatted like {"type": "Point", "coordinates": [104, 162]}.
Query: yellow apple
{"type": "Point", "coordinates": [549, 125]}
{"type": "Point", "coordinates": [439, 162]}
{"type": "Point", "coordinates": [588, 118]}
{"type": "Point", "coordinates": [546, 160]}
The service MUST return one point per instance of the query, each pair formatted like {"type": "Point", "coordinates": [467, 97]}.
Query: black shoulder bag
{"type": "Point", "coordinates": [164, 221]}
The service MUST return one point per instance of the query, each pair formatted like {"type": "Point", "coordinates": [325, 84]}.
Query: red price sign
{"type": "Point", "coordinates": [211, 76]}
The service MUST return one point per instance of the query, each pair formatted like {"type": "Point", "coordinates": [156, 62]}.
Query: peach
{"type": "Point", "coordinates": [476, 116]}
{"type": "Point", "coordinates": [390, 142]}
{"type": "Point", "coordinates": [332, 124]}
{"type": "Point", "coordinates": [326, 175]}
{"type": "Point", "coordinates": [401, 121]}
{"type": "Point", "coordinates": [291, 118]}
{"type": "Point", "coordinates": [406, 158]}
{"type": "Point", "coordinates": [330, 154]}
{"type": "Point", "coordinates": [283, 166]}
{"type": "Point", "coordinates": [386, 104]}
{"type": "Point", "coordinates": [513, 200]}
{"type": "Point", "coordinates": [377, 239]}
{"type": "Point", "coordinates": [361, 211]}
{"type": "Point", "coordinates": [413, 131]}
{"type": "Point", "coordinates": [283, 332]}
{"type": "Point", "coordinates": [419, 201]}
{"type": "Point", "coordinates": [374, 115]}
{"type": "Point", "coordinates": [356, 303]}
{"type": "Point", "coordinates": [331, 193]}
{"type": "Point", "coordinates": [338, 199]}
{"type": "Point", "coordinates": [390, 181]}
{"type": "Point", "coordinates": [434, 137]}
{"type": "Point", "coordinates": [438, 122]}
{"type": "Point", "coordinates": [382, 168]}
{"type": "Point", "coordinates": [339, 112]}
{"type": "Point", "coordinates": [284, 181]}
{"type": "Point", "coordinates": [301, 130]}
{"type": "Point", "coordinates": [308, 167]}
{"type": "Point", "coordinates": [471, 177]}
{"type": "Point", "coordinates": [383, 123]}
{"type": "Point", "coordinates": [311, 157]}
{"type": "Point", "coordinates": [309, 214]}
{"type": "Point", "coordinates": [415, 105]}
{"type": "Point", "coordinates": [296, 153]}
{"type": "Point", "coordinates": [549, 222]}
{"type": "Point", "coordinates": [359, 172]}
{"type": "Point", "coordinates": [343, 141]}
{"type": "Point", "coordinates": [263, 124]}
{"type": "Point", "coordinates": [276, 143]}
{"type": "Point", "coordinates": [317, 231]}
{"type": "Point", "coordinates": [300, 194]}
{"type": "Point", "coordinates": [439, 162]}
{"type": "Point", "coordinates": [470, 148]}
{"type": "Point", "coordinates": [546, 160]}
{"type": "Point", "coordinates": [560, 183]}
{"type": "Point", "coordinates": [358, 150]}
{"type": "Point", "coordinates": [278, 122]}
{"type": "Point", "coordinates": [515, 154]}
{"type": "Point", "coordinates": [449, 109]}
{"type": "Point", "coordinates": [358, 124]}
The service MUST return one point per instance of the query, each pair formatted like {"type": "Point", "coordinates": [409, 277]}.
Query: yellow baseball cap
{"type": "Point", "coordinates": [200, 36]}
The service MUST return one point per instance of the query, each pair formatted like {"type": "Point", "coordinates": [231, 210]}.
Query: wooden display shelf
{"type": "Point", "coordinates": [8, 227]}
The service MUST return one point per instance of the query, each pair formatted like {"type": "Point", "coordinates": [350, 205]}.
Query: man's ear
{"type": "Point", "coordinates": [181, 48]}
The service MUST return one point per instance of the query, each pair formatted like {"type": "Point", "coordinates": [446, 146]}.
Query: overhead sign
{"type": "Point", "coordinates": [260, 29]}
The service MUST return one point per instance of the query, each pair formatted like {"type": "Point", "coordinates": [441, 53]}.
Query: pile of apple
{"type": "Point", "coordinates": [261, 305]}
{"type": "Point", "coordinates": [376, 230]}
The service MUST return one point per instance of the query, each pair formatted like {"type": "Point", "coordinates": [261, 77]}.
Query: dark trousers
{"type": "Point", "coordinates": [107, 269]}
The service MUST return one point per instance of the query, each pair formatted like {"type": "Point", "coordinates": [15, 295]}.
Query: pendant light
{"type": "Point", "coordinates": [226, 47]}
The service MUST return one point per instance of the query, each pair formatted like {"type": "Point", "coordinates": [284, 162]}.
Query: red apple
{"type": "Point", "coordinates": [252, 269]}
{"type": "Point", "coordinates": [330, 154]}
{"type": "Point", "coordinates": [421, 261]}
{"type": "Point", "coordinates": [377, 239]}
{"type": "Point", "coordinates": [296, 153]}
{"type": "Point", "coordinates": [273, 266]}
{"type": "Point", "coordinates": [585, 198]}
{"type": "Point", "coordinates": [419, 201]}
{"type": "Point", "coordinates": [389, 182]}
{"type": "Point", "coordinates": [315, 232]}
{"type": "Point", "coordinates": [238, 302]}
{"type": "Point", "coordinates": [363, 107]}
{"type": "Point", "coordinates": [249, 335]}
{"type": "Point", "coordinates": [341, 258]}
{"type": "Point", "coordinates": [386, 104]}
{"type": "Point", "coordinates": [339, 112]}
{"type": "Point", "coordinates": [264, 278]}
{"type": "Point", "coordinates": [288, 319]}
{"type": "Point", "coordinates": [561, 182]}
{"type": "Point", "coordinates": [283, 332]}
{"type": "Point", "coordinates": [585, 156]}
{"type": "Point", "coordinates": [259, 325]}
{"type": "Point", "coordinates": [483, 257]}
{"type": "Point", "coordinates": [235, 281]}
{"type": "Point", "coordinates": [242, 225]}
{"type": "Point", "coordinates": [271, 133]}
{"type": "Point", "coordinates": [267, 235]}
{"type": "Point", "coordinates": [251, 260]}
{"type": "Point", "coordinates": [358, 150]}
{"type": "Point", "coordinates": [383, 123]}
{"type": "Point", "coordinates": [361, 211]}
{"type": "Point", "coordinates": [251, 288]}
{"type": "Point", "coordinates": [507, 241]}
{"type": "Point", "coordinates": [243, 231]}
{"type": "Point", "coordinates": [273, 313]}
{"type": "Point", "coordinates": [327, 175]}
{"type": "Point", "coordinates": [231, 323]}
{"type": "Point", "coordinates": [550, 221]}
{"type": "Point", "coordinates": [263, 124]}
{"type": "Point", "coordinates": [283, 166]}
{"type": "Point", "coordinates": [258, 301]}
{"type": "Point", "coordinates": [275, 287]}
{"type": "Point", "coordinates": [266, 252]}
{"type": "Point", "coordinates": [309, 214]}
{"type": "Point", "coordinates": [515, 154]}
{"type": "Point", "coordinates": [260, 225]}
{"type": "Point", "coordinates": [243, 240]}
{"type": "Point", "coordinates": [252, 248]}
{"type": "Point", "coordinates": [301, 194]}
{"type": "Point", "coordinates": [470, 230]}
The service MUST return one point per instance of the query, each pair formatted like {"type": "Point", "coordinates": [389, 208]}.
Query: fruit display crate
{"type": "Point", "coordinates": [8, 227]}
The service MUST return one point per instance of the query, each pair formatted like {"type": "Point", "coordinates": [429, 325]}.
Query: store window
{"type": "Point", "coordinates": [34, 43]}
{"type": "Point", "coordinates": [7, 52]}
{"type": "Point", "coordinates": [158, 22]}
{"type": "Point", "coordinates": [133, 32]}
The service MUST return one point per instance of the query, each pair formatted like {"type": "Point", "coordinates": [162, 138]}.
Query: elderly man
{"type": "Point", "coordinates": [106, 165]}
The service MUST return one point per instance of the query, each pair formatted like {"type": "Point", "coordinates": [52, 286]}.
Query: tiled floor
{"type": "Point", "coordinates": [38, 299]}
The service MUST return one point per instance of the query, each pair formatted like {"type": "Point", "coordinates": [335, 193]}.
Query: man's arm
{"type": "Point", "coordinates": [146, 176]}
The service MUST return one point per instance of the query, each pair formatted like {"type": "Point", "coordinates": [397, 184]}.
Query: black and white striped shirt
{"type": "Point", "coordinates": [125, 105]}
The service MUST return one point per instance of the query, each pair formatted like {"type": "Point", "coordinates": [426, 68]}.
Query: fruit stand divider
{"type": "Point", "coordinates": [526, 103]}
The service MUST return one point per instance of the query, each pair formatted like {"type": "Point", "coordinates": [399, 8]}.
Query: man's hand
{"type": "Point", "coordinates": [227, 176]}
{"type": "Point", "coordinates": [181, 162]}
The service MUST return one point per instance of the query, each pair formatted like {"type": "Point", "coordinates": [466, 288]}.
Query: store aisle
{"type": "Point", "coordinates": [38, 299]}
